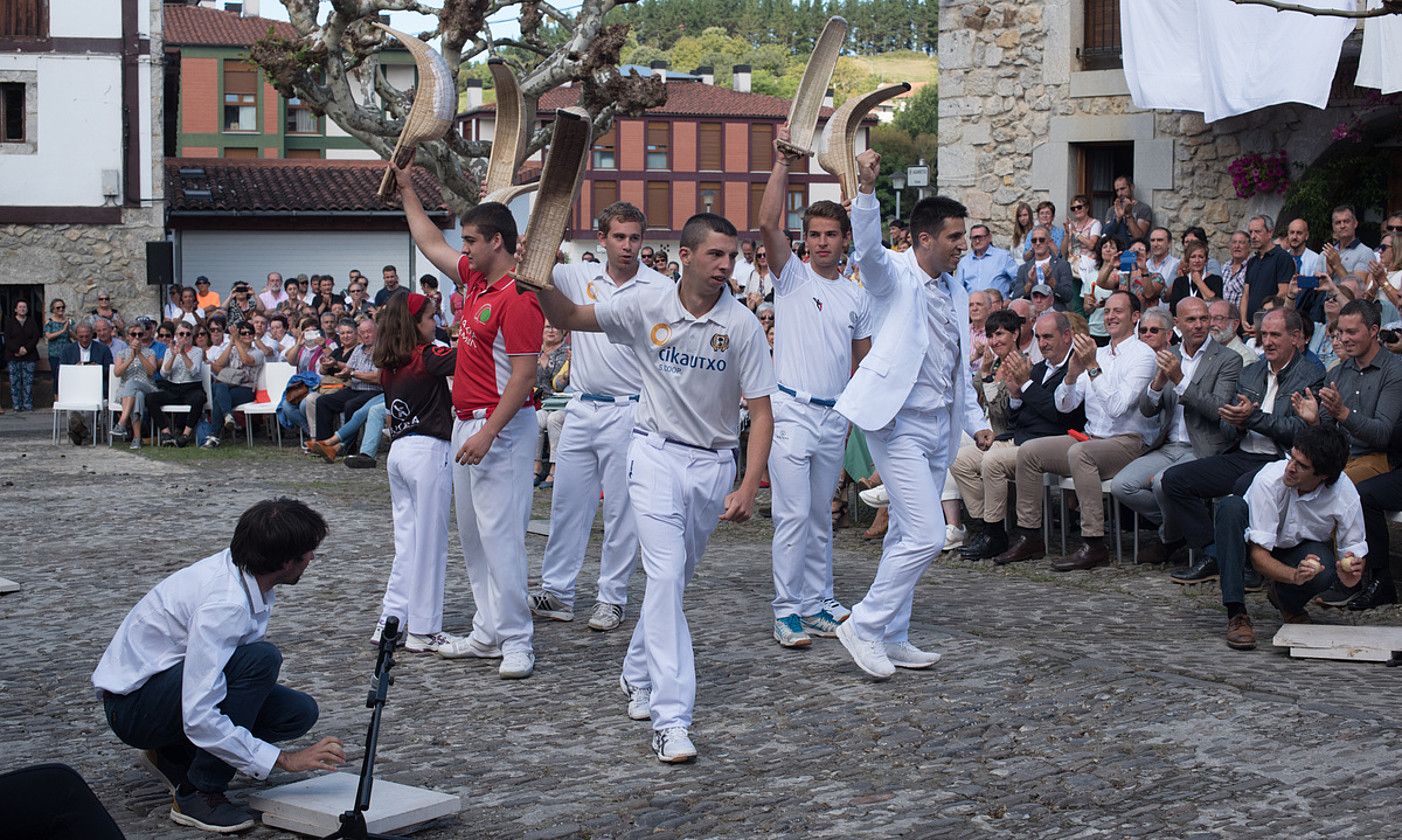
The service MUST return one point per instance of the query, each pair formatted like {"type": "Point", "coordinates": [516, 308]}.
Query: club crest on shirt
{"type": "Point", "coordinates": [720, 342]}
{"type": "Point", "coordinates": [818, 303]}
{"type": "Point", "coordinates": [484, 314]}
{"type": "Point", "coordinates": [660, 334]}
{"type": "Point", "coordinates": [589, 291]}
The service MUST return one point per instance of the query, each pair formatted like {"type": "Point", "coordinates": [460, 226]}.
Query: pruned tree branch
{"type": "Point", "coordinates": [333, 66]}
{"type": "Point", "coordinates": [1389, 7]}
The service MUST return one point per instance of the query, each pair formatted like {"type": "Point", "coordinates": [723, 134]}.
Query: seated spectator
{"type": "Point", "coordinates": [1223, 318]}
{"type": "Point", "coordinates": [1307, 261]}
{"type": "Point", "coordinates": [242, 306]}
{"type": "Point", "coordinates": [1291, 516]}
{"type": "Point", "coordinates": [135, 368]}
{"type": "Point", "coordinates": [190, 311]}
{"type": "Point", "coordinates": [1263, 424]}
{"type": "Point", "coordinates": [204, 298]}
{"type": "Point", "coordinates": [363, 386]}
{"type": "Point", "coordinates": [218, 334]}
{"type": "Point", "coordinates": [1023, 222]}
{"type": "Point", "coordinates": [189, 678]}
{"type": "Point", "coordinates": [235, 370]}
{"type": "Point", "coordinates": [1106, 282]}
{"type": "Point", "coordinates": [276, 341]}
{"type": "Point", "coordinates": [164, 333]}
{"type": "Point", "coordinates": [1161, 260]}
{"type": "Point", "coordinates": [1194, 233]}
{"type": "Point", "coordinates": [104, 333]}
{"type": "Point", "coordinates": [1045, 267]}
{"type": "Point", "coordinates": [182, 383]}
{"type": "Point", "coordinates": [171, 310]}
{"type": "Point", "coordinates": [295, 307]}
{"type": "Point", "coordinates": [1193, 380]}
{"type": "Point", "coordinates": [358, 303]}
{"type": "Point", "coordinates": [1195, 281]}
{"type": "Point", "coordinates": [1143, 283]}
{"type": "Point", "coordinates": [986, 266]}
{"type": "Point", "coordinates": [1041, 300]}
{"type": "Point", "coordinates": [1046, 217]}
{"type": "Point", "coordinates": [106, 310]}
{"type": "Point", "coordinates": [272, 293]}
{"type": "Point", "coordinates": [1107, 381]}
{"type": "Point", "coordinates": [1381, 496]}
{"type": "Point", "coordinates": [1029, 390]}
{"type": "Point", "coordinates": [1362, 395]}
{"type": "Point", "coordinates": [86, 351]}
{"type": "Point", "coordinates": [308, 344]}
{"type": "Point", "coordinates": [1026, 343]}
{"type": "Point", "coordinates": [371, 419]}
{"type": "Point", "coordinates": [326, 322]}
{"type": "Point", "coordinates": [552, 376]}
{"type": "Point", "coordinates": [979, 310]}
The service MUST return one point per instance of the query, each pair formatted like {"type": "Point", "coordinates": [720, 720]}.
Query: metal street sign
{"type": "Point", "coordinates": [917, 176]}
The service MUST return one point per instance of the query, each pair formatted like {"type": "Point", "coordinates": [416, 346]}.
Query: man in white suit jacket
{"type": "Point", "coordinates": [913, 395]}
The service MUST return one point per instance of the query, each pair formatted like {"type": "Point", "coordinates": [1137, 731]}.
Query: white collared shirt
{"type": "Point", "coordinates": [1178, 433]}
{"type": "Point", "coordinates": [694, 369]}
{"type": "Point", "coordinates": [933, 388]}
{"type": "Point", "coordinates": [597, 365]}
{"type": "Point", "coordinates": [1168, 269]}
{"type": "Point", "coordinates": [1255, 441]}
{"type": "Point", "coordinates": [84, 354]}
{"type": "Point", "coordinates": [815, 322]}
{"type": "Point", "coordinates": [1282, 517]}
{"type": "Point", "coordinates": [198, 616]}
{"type": "Point", "coordinates": [1112, 398]}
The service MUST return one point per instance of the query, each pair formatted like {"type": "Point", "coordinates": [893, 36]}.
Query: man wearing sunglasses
{"type": "Point", "coordinates": [1045, 268]}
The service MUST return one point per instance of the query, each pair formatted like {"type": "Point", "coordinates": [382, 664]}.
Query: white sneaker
{"type": "Point", "coordinates": [907, 655]}
{"type": "Point", "coordinates": [431, 643]}
{"type": "Point", "coordinates": [954, 537]}
{"type": "Point", "coordinates": [546, 605]}
{"type": "Point", "coordinates": [869, 654]}
{"type": "Point", "coordinates": [516, 665]}
{"type": "Point", "coordinates": [639, 699]}
{"type": "Point", "coordinates": [606, 616]}
{"type": "Point", "coordinates": [463, 646]}
{"type": "Point", "coordinates": [673, 745]}
{"type": "Point", "coordinates": [834, 607]}
{"type": "Point", "coordinates": [788, 632]}
{"type": "Point", "coordinates": [876, 496]}
{"type": "Point", "coordinates": [210, 442]}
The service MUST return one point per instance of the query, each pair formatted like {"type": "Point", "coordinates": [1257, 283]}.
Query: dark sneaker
{"type": "Point", "coordinates": [360, 461]}
{"type": "Point", "coordinates": [211, 812]}
{"type": "Point", "coordinates": [1338, 595]}
{"type": "Point", "coordinates": [169, 774]}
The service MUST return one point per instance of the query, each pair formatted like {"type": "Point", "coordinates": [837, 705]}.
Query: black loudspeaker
{"type": "Point", "coordinates": [160, 263]}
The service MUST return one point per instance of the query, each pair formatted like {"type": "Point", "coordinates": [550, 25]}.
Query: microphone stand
{"type": "Point", "coordinates": [353, 825]}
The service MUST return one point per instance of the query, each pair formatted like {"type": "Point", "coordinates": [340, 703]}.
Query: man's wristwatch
{"type": "Point", "coordinates": [1093, 372]}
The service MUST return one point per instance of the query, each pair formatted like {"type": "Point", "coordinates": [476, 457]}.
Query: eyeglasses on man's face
{"type": "Point", "coordinates": [1038, 239]}
{"type": "Point", "coordinates": [1150, 330]}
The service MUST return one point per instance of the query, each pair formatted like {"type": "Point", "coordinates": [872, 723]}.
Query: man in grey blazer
{"type": "Point", "coordinates": [1192, 382]}
{"type": "Point", "coordinates": [912, 395]}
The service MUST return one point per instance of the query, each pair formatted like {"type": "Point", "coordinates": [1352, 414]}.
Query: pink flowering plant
{"type": "Point", "coordinates": [1257, 173]}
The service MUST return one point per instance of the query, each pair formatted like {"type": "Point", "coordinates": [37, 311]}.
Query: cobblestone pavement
{"type": "Point", "coordinates": [1098, 704]}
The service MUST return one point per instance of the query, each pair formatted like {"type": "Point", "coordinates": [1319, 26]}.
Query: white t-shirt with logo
{"type": "Point", "coordinates": [694, 370]}
{"type": "Point", "coordinates": [597, 365]}
{"type": "Point", "coordinates": [815, 323]}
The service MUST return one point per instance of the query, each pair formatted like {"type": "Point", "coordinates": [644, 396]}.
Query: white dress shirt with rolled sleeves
{"type": "Point", "coordinates": [1111, 399]}
{"type": "Point", "coordinates": [1283, 517]}
{"type": "Point", "coordinates": [199, 615]}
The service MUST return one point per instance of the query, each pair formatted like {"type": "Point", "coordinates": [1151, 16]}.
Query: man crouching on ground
{"type": "Point", "coordinates": [189, 679]}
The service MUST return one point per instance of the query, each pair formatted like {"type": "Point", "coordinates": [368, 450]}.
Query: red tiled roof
{"type": "Point", "coordinates": [276, 187]}
{"type": "Point", "coordinates": [684, 99]}
{"type": "Point", "coordinates": [197, 26]}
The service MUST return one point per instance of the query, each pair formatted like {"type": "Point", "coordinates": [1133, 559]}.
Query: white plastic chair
{"type": "Point", "coordinates": [1112, 521]}
{"type": "Point", "coordinates": [273, 378]}
{"type": "Point", "coordinates": [114, 403]}
{"type": "Point", "coordinates": [80, 389]}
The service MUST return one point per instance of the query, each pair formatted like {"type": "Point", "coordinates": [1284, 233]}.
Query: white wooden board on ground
{"type": "Point", "coordinates": [314, 806]}
{"type": "Point", "coordinates": [539, 527]}
{"type": "Point", "coordinates": [1332, 641]}
{"type": "Point", "coordinates": [7, 586]}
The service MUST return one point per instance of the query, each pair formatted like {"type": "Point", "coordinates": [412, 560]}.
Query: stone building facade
{"type": "Point", "coordinates": [81, 197]}
{"type": "Point", "coordinates": [1034, 106]}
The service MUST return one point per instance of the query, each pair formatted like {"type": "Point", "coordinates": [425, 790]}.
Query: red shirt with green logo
{"type": "Point", "coordinates": [497, 323]}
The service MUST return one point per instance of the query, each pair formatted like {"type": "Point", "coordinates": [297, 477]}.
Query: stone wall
{"type": "Point", "coordinates": [1013, 105]}
{"type": "Point", "coordinates": [74, 262]}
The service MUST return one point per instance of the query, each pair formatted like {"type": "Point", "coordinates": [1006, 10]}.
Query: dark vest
{"type": "Point", "coordinates": [1038, 417]}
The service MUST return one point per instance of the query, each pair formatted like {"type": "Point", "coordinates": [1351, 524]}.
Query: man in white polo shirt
{"type": "Point", "coordinates": [593, 450]}
{"type": "Point", "coordinates": [699, 352]}
{"type": "Point", "coordinates": [819, 318]}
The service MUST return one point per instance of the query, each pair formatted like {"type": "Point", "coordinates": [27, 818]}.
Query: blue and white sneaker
{"type": "Point", "coordinates": [835, 609]}
{"type": "Point", "coordinates": [820, 624]}
{"type": "Point", "coordinates": [788, 631]}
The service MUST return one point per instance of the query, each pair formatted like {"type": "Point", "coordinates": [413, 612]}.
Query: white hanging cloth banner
{"type": "Point", "coordinates": [1380, 64]}
{"type": "Point", "coordinates": [1225, 59]}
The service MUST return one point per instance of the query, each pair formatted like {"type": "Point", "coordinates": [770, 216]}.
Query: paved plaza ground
{"type": "Point", "coordinates": [1100, 704]}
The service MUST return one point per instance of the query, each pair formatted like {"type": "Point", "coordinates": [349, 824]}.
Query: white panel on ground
{"type": "Point", "coordinates": [1328, 641]}
{"type": "Point", "coordinates": [539, 527]}
{"type": "Point", "coordinates": [7, 586]}
{"type": "Point", "coordinates": [314, 806]}
{"type": "Point", "coordinates": [227, 256]}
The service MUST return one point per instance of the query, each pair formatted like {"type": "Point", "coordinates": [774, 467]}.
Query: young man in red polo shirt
{"type": "Point", "coordinates": [494, 434]}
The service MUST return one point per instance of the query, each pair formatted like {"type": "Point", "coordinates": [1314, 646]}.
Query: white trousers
{"type": "Point", "coordinates": [805, 461]}
{"type": "Point", "coordinates": [549, 423]}
{"type": "Point", "coordinates": [912, 456]}
{"type": "Point", "coordinates": [593, 456]}
{"type": "Point", "coordinates": [494, 506]}
{"type": "Point", "coordinates": [420, 493]}
{"type": "Point", "coordinates": [678, 496]}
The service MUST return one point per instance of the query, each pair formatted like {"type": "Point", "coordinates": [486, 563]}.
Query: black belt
{"type": "Point", "coordinates": [638, 430]}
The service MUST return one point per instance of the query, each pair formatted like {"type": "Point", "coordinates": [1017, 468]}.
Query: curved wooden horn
{"type": "Point", "coordinates": [559, 182]}
{"type": "Point", "coordinates": [506, 195]}
{"type": "Point", "coordinates": [808, 102]}
{"type": "Point", "coordinates": [509, 139]}
{"type": "Point", "coordinates": [435, 105]}
{"type": "Point", "coordinates": [839, 155]}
